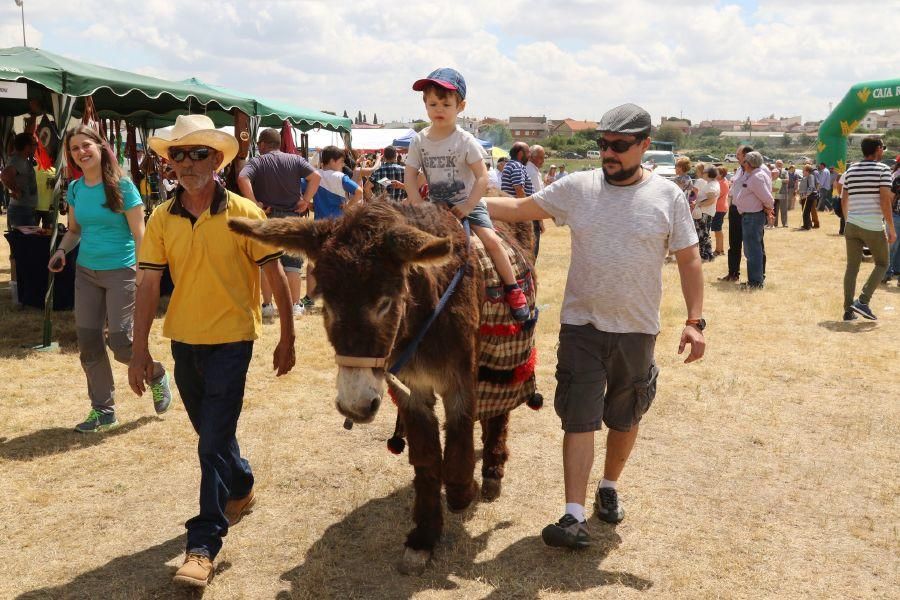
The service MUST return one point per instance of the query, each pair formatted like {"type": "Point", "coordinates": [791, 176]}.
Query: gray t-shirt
{"type": "Point", "coordinates": [620, 237]}
{"type": "Point", "coordinates": [25, 181]}
{"type": "Point", "coordinates": [446, 164]}
{"type": "Point", "coordinates": [276, 178]}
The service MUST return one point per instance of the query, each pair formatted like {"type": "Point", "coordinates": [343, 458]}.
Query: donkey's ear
{"type": "Point", "coordinates": [293, 235]}
{"type": "Point", "coordinates": [416, 247]}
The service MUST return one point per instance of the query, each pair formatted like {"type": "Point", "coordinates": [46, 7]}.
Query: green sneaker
{"type": "Point", "coordinates": [97, 422]}
{"type": "Point", "coordinates": [307, 302]}
{"type": "Point", "coordinates": [162, 394]}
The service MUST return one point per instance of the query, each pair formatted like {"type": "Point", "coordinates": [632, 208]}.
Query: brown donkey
{"type": "Point", "coordinates": [381, 269]}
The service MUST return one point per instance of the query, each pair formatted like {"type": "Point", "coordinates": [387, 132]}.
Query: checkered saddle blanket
{"type": "Point", "coordinates": [506, 355]}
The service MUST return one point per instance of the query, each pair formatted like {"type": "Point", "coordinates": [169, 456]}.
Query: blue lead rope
{"type": "Point", "coordinates": [411, 348]}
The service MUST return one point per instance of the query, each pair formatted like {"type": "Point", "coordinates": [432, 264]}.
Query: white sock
{"type": "Point", "coordinates": [606, 483]}
{"type": "Point", "coordinates": [576, 510]}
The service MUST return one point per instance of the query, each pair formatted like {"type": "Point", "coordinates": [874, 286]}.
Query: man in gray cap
{"type": "Point", "coordinates": [624, 220]}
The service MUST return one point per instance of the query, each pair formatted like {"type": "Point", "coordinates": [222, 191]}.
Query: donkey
{"type": "Point", "coordinates": [381, 269]}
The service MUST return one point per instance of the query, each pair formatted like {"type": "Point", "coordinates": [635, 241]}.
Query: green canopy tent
{"type": "Point", "coordinates": [269, 113]}
{"type": "Point", "coordinates": [63, 84]}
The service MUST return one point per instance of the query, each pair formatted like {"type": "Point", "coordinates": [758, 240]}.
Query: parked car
{"type": "Point", "coordinates": [593, 154]}
{"type": "Point", "coordinates": [661, 162]}
{"type": "Point", "coordinates": [731, 158]}
{"type": "Point", "coordinates": [707, 158]}
{"type": "Point", "coordinates": [570, 154]}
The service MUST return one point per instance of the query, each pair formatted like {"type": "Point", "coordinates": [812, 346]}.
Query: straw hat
{"type": "Point", "coordinates": [196, 130]}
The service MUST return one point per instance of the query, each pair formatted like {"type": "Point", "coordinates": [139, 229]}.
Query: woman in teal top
{"type": "Point", "coordinates": [107, 217]}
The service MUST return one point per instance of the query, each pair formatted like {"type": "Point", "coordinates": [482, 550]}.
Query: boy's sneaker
{"type": "Point", "coordinates": [268, 311]}
{"type": "Point", "coordinates": [863, 309]}
{"type": "Point", "coordinates": [299, 310]}
{"type": "Point", "coordinates": [849, 315]}
{"type": "Point", "coordinates": [607, 507]}
{"type": "Point", "coordinates": [307, 302]}
{"type": "Point", "coordinates": [518, 304]}
{"type": "Point", "coordinates": [162, 393]}
{"type": "Point", "coordinates": [97, 422]}
{"type": "Point", "coordinates": [196, 571]}
{"type": "Point", "coordinates": [567, 533]}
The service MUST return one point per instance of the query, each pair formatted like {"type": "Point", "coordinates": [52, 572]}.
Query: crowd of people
{"type": "Point", "coordinates": [625, 222]}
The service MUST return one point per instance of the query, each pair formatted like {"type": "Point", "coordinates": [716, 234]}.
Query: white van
{"type": "Point", "coordinates": [593, 154]}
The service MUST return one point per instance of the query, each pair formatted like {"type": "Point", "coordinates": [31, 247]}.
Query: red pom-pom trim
{"type": "Point", "coordinates": [500, 330]}
{"type": "Point", "coordinates": [524, 371]}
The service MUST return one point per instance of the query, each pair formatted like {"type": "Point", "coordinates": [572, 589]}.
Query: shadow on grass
{"type": "Point", "coordinates": [57, 440]}
{"type": "Point", "coordinates": [848, 326]}
{"type": "Point", "coordinates": [364, 549]}
{"type": "Point", "coordinates": [143, 574]}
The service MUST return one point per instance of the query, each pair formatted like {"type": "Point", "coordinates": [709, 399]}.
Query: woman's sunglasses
{"type": "Point", "coordinates": [617, 146]}
{"type": "Point", "coordinates": [195, 154]}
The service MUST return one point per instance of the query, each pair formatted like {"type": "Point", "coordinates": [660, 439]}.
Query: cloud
{"type": "Point", "coordinates": [562, 58]}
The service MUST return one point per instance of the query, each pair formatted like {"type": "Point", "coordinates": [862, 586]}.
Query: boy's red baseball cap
{"type": "Point", "coordinates": [445, 77]}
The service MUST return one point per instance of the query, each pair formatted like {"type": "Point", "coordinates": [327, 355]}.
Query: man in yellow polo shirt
{"type": "Point", "coordinates": [212, 320]}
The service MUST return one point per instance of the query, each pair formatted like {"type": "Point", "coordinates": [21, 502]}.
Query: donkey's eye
{"type": "Point", "coordinates": [384, 305]}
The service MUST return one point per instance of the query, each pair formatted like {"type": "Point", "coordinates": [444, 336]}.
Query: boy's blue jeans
{"type": "Point", "coordinates": [210, 380]}
{"type": "Point", "coordinates": [753, 226]}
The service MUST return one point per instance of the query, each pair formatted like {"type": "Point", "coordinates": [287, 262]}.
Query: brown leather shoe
{"type": "Point", "coordinates": [236, 509]}
{"type": "Point", "coordinates": [197, 571]}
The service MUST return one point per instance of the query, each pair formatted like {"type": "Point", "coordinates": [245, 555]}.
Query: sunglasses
{"type": "Point", "coordinates": [617, 146]}
{"type": "Point", "coordinates": [195, 154]}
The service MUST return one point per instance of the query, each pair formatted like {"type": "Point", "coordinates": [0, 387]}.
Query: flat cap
{"type": "Point", "coordinates": [628, 118]}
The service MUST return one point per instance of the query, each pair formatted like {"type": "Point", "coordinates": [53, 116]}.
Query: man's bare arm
{"type": "Point", "coordinates": [690, 270]}
{"type": "Point", "coordinates": [246, 187]}
{"type": "Point", "coordinates": [140, 369]}
{"type": "Point", "coordinates": [513, 210]}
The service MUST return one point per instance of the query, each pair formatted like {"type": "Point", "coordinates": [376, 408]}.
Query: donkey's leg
{"type": "Point", "coordinates": [494, 456]}
{"type": "Point", "coordinates": [459, 449]}
{"type": "Point", "coordinates": [423, 434]}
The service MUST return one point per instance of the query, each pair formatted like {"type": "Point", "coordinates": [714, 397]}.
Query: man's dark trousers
{"type": "Point", "coordinates": [210, 380]}
{"type": "Point", "coordinates": [735, 241]}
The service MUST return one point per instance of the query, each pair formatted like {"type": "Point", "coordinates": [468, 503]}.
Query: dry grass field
{"type": "Point", "coordinates": [767, 470]}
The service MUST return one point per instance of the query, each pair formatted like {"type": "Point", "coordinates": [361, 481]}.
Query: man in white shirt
{"type": "Point", "coordinates": [533, 170]}
{"type": "Point", "coordinates": [624, 221]}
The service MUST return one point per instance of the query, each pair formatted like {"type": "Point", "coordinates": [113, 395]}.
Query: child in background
{"type": "Point", "coordinates": [454, 167]}
{"type": "Point", "coordinates": [337, 192]}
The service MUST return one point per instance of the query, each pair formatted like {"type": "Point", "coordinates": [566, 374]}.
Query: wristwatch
{"type": "Point", "coordinates": [700, 323]}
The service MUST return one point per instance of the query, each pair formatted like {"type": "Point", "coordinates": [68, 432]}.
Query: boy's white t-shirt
{"type": "Point", "coordinates": [446, 164]}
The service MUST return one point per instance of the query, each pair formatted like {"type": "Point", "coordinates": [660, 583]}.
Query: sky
{"type": "Point", "coordinates": [729, 59]}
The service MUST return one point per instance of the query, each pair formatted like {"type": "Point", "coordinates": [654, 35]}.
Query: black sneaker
{"type": "Point", "coordinates": [849, 315]}
{"type": "Point", "coordinates": [864, 310]}
{"type": "Point", "coordinates": [567, 533]}
{"type": "Point", "coordinates": [97, 422]}
{"type": "Point", "coordinates": [607, 507]}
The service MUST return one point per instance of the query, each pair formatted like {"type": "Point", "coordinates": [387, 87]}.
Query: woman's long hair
{"type": "Point", "coordinates": [109, 166]}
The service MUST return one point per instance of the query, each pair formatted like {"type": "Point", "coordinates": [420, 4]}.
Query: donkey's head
{"type": "Point", "coordinates": [361, 262]}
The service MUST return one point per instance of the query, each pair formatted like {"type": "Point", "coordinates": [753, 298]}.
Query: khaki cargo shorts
{"type": "Point", "coordinates": [603, 378]}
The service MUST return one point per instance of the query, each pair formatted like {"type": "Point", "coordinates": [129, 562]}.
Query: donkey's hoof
{"type": "Point", "coordinates": [490, 488]}
{"type": "Point", "coordinates": [459, 498]}
{"type": "Point", "coordinates": [413, 562]}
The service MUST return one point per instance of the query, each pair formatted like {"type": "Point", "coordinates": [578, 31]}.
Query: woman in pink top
{"type": "Point", "coordinates": [721, 211]}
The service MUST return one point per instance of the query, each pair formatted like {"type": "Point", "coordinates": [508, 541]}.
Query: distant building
{"type": "Point", "coordinates": [468, 124]}
{"type": "Point", "coordinates": [528, 129]}
{"type": "Point", "coordinates": [567, 128]}
{"type": "Point", "coordinates": [487, 122]}
{"type": "Point", "coordinates": [673, 122]}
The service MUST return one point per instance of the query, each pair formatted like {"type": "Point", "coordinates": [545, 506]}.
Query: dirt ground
{"type": "Point", "coordinates": [767, 470]}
